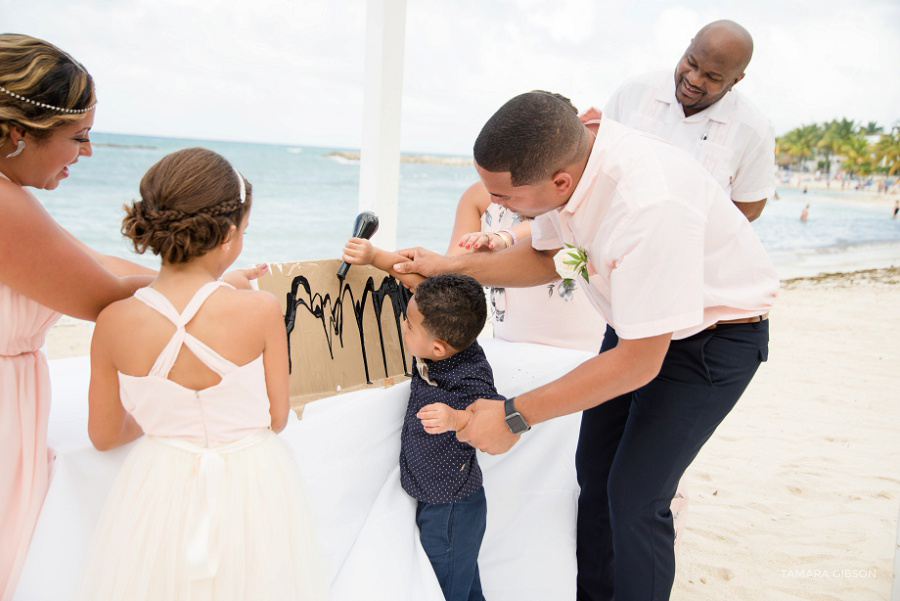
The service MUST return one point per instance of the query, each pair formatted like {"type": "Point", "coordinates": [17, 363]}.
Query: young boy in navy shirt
{"type": "Point", "coordinates": [450, 371]}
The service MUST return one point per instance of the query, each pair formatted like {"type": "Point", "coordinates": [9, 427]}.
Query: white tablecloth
{"type": "Point", "coordinates": [347, 447]}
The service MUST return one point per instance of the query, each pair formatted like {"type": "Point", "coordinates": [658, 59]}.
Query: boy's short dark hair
{"type": "Point", "coordinates": [453, 308]}
{"type": "Point", "coordinates": [532, 136]}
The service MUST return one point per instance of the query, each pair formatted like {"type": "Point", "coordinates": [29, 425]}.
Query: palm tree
{"type": "Point", "coordinates": [836, 135]}
{"type": "Point", "coordinates": [857, 155]}
{"type": "Point", "coordinates": [871, 129]}
{"type": "Point", "coordinates": [801, 142]}
{"type": "Point", "coordinates": [888, 150]}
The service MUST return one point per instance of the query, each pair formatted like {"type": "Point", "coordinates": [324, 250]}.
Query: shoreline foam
{"type": "Point", "coordinates": [850, 258]}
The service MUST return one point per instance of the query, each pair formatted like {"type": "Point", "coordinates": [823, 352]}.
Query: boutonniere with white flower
{"type": "Point", "coordinates": [570, 262]}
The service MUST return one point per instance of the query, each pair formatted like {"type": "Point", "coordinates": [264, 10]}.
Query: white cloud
{"type": "Point", "coordinates": [830, 64]}
{"type": "Point", "coordinates": [292, 71]}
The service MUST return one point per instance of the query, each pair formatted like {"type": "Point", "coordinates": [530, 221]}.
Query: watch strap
{"type": "Point", "coordinates": [509, 406]}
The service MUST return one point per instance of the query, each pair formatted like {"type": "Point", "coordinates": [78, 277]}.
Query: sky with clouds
{"type": "Point", "coordinates": [292, 71]}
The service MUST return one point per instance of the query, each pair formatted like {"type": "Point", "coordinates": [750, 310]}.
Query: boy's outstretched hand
{"type": "Point", "coordinates": [358, 251]}
{"type": "Point", "coordinates": [438, 418]}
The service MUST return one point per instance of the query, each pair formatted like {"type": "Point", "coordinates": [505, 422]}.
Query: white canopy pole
{"type": "Point", "coordinates": [379, 174]}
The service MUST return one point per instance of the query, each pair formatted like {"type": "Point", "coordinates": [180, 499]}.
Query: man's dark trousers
{"type": "Point", "coordinates": [633, 450]}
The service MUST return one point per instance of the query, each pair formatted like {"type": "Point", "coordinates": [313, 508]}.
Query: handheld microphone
{"type": "Point", "coordinates": [366, 224]}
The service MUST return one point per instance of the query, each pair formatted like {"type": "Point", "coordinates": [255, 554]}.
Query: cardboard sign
{"type": "Point", "coordinates": [342, 336]}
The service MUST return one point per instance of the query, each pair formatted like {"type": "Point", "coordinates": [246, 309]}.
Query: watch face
{"type": "Point", "coordinates": [516, 423]}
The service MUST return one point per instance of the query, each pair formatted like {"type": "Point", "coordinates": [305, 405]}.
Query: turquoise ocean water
{"type": "Point", "coordinates": [305, 203]}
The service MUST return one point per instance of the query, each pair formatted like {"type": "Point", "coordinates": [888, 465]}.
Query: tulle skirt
{"type": "Point", "coordinates": [188, 523]}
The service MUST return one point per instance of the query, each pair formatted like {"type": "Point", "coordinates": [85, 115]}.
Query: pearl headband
{"type": "Point", "coordinates": [46, 106]}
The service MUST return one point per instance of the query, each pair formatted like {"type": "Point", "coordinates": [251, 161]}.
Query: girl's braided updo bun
{"type": "Point", "coordinates": [189, 201]}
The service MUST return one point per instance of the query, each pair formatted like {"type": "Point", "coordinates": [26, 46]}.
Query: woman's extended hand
{"type": "Point", "coordinates": [590, 116]}
{"type": "Point", "coordinates": [482, 241]}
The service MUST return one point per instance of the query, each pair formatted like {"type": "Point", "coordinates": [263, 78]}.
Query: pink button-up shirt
{"type": "Point", "coordinates": [668, 251]}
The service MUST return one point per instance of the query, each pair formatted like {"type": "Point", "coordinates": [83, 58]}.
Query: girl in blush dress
{"type": "Point", "coordinates": [209, 503]}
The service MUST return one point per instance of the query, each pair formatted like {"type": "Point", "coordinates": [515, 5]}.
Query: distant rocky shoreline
{"type": "Point", "coordinates": [108, 145]}
{"type": "Point", "coordinates": [413, 158]}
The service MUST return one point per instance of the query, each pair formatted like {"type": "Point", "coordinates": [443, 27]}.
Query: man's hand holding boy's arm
{"type": "Point", "coordinates": [438, 418]}
{"type": "Point", "coordinates": [359, 251]}
{"type": "Point", "coordinates": [518, 266]}
{"type": "Point", "coordinates": [486, 428]}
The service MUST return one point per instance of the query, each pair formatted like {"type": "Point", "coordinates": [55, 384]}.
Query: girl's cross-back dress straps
{"type": "Point", "coordinates": [157, 301]}
{"type": "Point", "coordinates": [218, 415]}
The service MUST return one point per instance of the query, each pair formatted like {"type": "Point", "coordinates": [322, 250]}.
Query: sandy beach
{"type": "Point", "coordinates": [796, 496]}
{"type": "Point", "coordinates": [830, 190]}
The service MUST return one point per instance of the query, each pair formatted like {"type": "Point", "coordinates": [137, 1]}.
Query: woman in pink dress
{"type": "Point", "coordinates": [46, 112]}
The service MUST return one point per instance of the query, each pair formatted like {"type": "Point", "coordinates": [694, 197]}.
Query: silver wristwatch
{"type": "Point", "coordinates": [514, 420]}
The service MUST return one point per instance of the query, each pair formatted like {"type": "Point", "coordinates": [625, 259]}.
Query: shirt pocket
{"type": "Point", "coordinates": [716, 159]}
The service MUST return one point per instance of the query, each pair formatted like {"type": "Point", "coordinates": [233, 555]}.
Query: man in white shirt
{"type": "Point", "coordinates": [698, 110]}
{"type": "Point", "coordinates": [683, 281]}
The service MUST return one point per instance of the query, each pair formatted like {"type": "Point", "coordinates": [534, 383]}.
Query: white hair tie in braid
{"type": "Point", "coordinates": [243, 187]}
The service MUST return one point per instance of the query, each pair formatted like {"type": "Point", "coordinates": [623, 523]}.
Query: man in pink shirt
{"type": "Point", "coordinates": [685, 286]}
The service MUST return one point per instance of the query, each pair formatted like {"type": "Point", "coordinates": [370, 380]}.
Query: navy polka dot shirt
{"type": "Point", "coordinates": [437, 468]}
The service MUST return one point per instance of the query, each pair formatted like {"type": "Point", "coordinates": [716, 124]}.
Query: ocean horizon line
{"type": "Point", "coordinates": [339, 148]}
